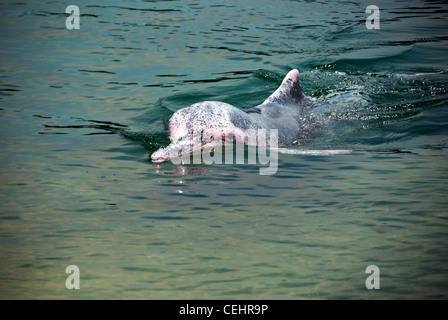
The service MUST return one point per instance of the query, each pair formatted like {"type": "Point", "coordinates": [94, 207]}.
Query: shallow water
{"type": "Point", "coordinates": [82, 110]}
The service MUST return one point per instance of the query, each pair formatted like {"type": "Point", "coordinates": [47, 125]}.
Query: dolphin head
{"type": "Point", "coordinates": [183, 145]}
{"type": "Point", "coordinates": [172, 151]}
{"type": "Point", "coordinates": [182, 142]}
{"type": "Point", "coordinates": [190, 129]}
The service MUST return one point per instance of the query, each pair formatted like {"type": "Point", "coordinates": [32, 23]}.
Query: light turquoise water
{"type": "Point", "coordinates": [82, 110]}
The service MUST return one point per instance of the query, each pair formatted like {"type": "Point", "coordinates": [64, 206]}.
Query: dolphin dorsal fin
{"type": "Point", "coordinates": [289, 92]}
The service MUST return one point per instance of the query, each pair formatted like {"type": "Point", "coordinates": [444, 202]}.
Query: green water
{"type": "Point", "coordinates": [82, 110]}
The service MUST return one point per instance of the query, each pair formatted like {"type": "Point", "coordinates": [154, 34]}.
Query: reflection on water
{"type": "Point", "coordinates": [81, 111]}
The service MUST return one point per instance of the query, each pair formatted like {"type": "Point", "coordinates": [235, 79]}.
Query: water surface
{"type": "Point", "coordinates": [82, 110]}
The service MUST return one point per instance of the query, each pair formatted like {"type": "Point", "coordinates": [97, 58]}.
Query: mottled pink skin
{"type": "Point", "coordinates": [202, 124]}
{"type": "Point", "coordinates": [189, 126]}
